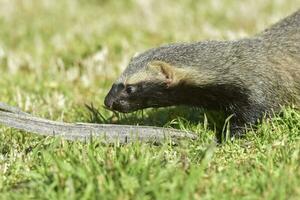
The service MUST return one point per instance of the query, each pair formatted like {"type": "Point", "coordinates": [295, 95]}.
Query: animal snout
{"type": "Point", "coordinates": [113, 100]}
{"type": "Point", "coordinates": [114, 104]}
{"type": "Point", "coordinates": [108, 102]}
{"type": "Point", "coordinates": [110, 98]}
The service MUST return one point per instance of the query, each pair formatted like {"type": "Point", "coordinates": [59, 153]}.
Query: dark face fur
{"type": "Point", "coordinates": [131, 97]}
{"type": "Point", "coordinates": [143, 84]}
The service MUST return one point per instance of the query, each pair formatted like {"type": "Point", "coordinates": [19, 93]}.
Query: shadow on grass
{"type": "Point", "coordinates": [160, 117]}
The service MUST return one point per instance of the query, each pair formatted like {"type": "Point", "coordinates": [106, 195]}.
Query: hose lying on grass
{"type": "Point", "coordinates": [110, 133]}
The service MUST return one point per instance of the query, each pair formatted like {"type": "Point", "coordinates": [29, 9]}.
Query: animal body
{"type": "Point", "coordinates": [246, 78]}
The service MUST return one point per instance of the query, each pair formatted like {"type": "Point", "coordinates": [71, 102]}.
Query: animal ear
{"type": "Point", "coordinates": [164, 69]}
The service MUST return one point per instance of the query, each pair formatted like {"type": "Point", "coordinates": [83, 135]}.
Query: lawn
{"type": "Point", "coordinates": [56, 57]}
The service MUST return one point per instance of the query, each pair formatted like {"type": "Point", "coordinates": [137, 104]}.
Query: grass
{"type": "Point", "coordinates": [57, 56]}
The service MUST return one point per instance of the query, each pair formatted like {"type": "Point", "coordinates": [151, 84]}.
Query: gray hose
{"type": "Point", "coordinates": [110, 133]}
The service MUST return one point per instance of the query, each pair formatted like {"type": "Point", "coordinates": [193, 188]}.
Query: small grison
{"type": "Point", "coordinates": [246, 78]}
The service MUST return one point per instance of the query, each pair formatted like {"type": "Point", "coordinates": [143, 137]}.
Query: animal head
{"type": "Point", "coordinates": [149, 86]}
{"type": "Point", "coordinates": [155, 78]}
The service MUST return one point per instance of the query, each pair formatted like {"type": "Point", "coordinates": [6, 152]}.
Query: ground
{"type": "Point", "coordinates": [56, 57]}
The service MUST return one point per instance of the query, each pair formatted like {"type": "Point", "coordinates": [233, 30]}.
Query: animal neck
{"type": "Point", "coordinates": [210, 96]}
{"type": "Point", "coordinates": [210, 80]}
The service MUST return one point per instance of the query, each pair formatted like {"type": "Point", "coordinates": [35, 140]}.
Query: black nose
{"type": "Point", "coordinates": [108, 101]}
{"type": "Point", "coordinates": [113, 94]}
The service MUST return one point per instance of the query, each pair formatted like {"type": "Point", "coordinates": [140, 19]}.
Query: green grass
{"type": "Point", "coordinates": [58, 56]}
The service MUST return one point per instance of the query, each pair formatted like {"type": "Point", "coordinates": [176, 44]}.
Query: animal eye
{"type": "Point", "coordinates": [130, 89]}
{"type": "Point", "coordinates": [118, 87]}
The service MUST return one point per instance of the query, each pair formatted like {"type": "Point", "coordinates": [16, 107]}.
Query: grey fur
{"type": "Point", "coordinates": [264, 69]}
